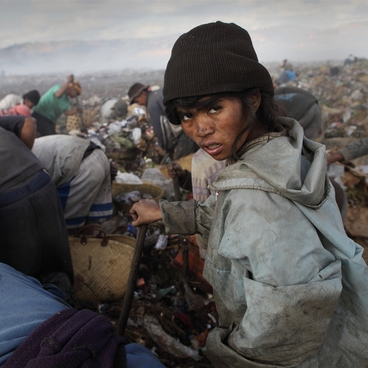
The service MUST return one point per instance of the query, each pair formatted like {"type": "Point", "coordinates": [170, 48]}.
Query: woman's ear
{"type": "Point", "coordinates": [255, 100]}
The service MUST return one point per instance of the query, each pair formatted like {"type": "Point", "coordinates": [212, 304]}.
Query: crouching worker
{"type": "Point", "coordinates": [33, 234]}
{"type": "Point", "coordinates": [291, 289]}
{"type": "Point", "coordinates": [82, 174]}
{"type": "Point", "coordinates": [39, 329]}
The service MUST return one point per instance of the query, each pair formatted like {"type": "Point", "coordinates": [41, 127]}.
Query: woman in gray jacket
{"type": "Point", "coordinates": [290, 287]}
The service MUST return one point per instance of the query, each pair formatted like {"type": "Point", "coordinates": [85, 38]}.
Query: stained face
{"type": "Point", "coordinates": [214, 128]}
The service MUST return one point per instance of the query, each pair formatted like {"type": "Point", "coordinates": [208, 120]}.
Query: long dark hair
{"type": "Point", "coordinates": [265, 116]}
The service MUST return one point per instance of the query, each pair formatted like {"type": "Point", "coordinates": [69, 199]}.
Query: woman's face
{"type": "Point", "coordinates": [215, 127]}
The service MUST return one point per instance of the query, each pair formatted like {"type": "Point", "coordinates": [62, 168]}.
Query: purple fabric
{"type": "Point", "coordinates": [69, 339]}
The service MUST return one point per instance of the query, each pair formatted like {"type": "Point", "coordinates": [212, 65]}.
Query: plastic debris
{"type": "Point", "coordinates": [167, 342]}
{"type": "Point", "coordinates": [161, 243]}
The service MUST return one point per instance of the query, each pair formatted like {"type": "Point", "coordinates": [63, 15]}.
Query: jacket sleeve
{"type": "Point", "coordinates": [188, 217]}
{"type": "Point", "coordinates": [281, 287]}
{"type": "Point", "coordinates": [356, 149]}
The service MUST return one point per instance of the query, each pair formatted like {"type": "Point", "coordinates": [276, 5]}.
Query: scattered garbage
{"type": "Point", "coordinates": [172, 314]}
{"type": "Point", "coordinates": [161, 243]}
{"type": "Point", "coordinates": [167, 342]}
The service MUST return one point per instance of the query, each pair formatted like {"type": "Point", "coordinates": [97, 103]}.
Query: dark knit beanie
{"type": "Point", "coordinates": [214, 58]}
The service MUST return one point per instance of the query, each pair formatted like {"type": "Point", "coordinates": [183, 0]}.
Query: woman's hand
{"type": "Point", "coordinates": [145, 211]}
{"type": "Point", "coordinates": [174, 169]}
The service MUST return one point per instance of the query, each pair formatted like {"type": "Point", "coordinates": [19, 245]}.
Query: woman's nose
{"type": "Point", "coordinates": [204, 126]}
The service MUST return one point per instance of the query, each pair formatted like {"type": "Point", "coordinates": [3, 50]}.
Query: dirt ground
{"type": "Point", "coordinates": [101, 84]}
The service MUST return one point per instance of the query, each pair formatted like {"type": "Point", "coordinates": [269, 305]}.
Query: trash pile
{"type": "Point", "coordinates": [130, 141]}
{"type": "Point", "coordinates": [173, 308]}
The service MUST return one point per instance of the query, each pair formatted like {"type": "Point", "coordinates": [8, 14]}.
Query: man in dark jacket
{"type": "Point", "coordinates": [33, 233]}
{"type": "Point", "coordinates": [303, 107]}
{"type": "Point", "coordinates": [170, 138]}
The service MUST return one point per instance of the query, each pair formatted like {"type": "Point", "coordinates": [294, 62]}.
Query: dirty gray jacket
{"type": "Point", "coordinates": [61, 155]}
{"type": "Point", "coordinates": [291, 288]}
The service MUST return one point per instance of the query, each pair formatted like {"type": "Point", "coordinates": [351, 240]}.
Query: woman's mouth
{"type": "Point", "coordinates": [213, 149]}
{"type": "Point", "coordinates": [213, 146]}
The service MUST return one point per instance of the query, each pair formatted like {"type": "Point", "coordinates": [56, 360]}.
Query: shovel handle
{"type": "Point", "coordinates": [129, 294]}
{"type": "Point", "coordinates": [176, 188]}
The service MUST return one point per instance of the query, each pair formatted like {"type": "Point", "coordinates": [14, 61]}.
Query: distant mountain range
{"type": "Point", "coordinates": [85, 56]}
{"type": "Point", "coordinates": [273, 44]}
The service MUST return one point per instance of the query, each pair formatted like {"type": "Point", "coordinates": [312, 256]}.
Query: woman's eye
{"type": "Point", "coordinates": [185, 117]}
{"type": "Point", "coordinates": [213, 110]}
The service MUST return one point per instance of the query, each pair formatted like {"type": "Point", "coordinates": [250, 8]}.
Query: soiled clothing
{"type": "Point", "coordinates": [87, 197]}
{"type": "Point", "coordinates": [155, 109]}
{"type": "Point", "coordinates": [83, 183]}
{"type": "Point", "coordinates": [25, 304]}
{"type": "Point", "coordinates": [12, 124]}
{"type": "Point", "coordinates": [204, 171]}
{"type": "Point", "coordinates": [18, 164]}
{"type": "Point", "coordinates": [303, 107]}
{"type": "Point", "coordinates": [354, 150]}
{"type": "Point", "coordinates": [35, 319]}
{"type": "Point", "coordinates": [290, 287]}
{"type": "Point", "coordinates": [10, 101]}
{"type": "Point", "coordinates": [51, 106]}
{"type": "Point", "coordinates": [49, 109]}
{"type": "Point", "coordinates": [19, 109]}
{"type": "Point", "coordinates": [107, 113]}
{"type": "Point", "coordinates": [61, 155]}
{"type": "Point", "coordinates": [45, 126]}
{"type": "Point", "coordinates": [34, 238]}
{"type": "Point", "coordinates": [286, 76]}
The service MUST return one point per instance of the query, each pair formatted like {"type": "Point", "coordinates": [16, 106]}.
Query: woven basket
{"type": "Point", "coordinates": [74, 122]}
{"type": "Point", "coordinates": [101, 272]}
{"type": "Point", "coordinates": [146, 188]}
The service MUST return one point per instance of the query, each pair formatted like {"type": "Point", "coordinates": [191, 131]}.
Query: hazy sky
{"type": "Point", "coordinates": [293, 29]}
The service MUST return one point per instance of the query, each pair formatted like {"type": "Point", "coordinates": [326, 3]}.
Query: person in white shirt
{"type": "Point", "coordinates": [29, 99]}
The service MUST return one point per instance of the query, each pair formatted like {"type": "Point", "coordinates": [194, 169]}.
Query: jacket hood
{"type": "Point", "coordinates": [291, 165]}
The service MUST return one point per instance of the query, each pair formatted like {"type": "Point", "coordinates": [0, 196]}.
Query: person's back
{"type": "Point", "coordinates": [155, 109]}
{"type": "Point", "coordinates": [54, 103]}
{"type": "Point", "coordinates": [50, 106]}
{"type": "Point", "coordinates": [18, 165]}
{"type": "Point", "coordinates": [302, 106]}
{"type": "Point", "coordinates": [33, 232]}
{"type": "Point", "coordinates": [82, 173]}
{"type": "Point", "coordinates": [9, 101]}
{"type": "Point", "coordinates": [61, 155]}
{"type": "Point", "coordinates": [19, 109]}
